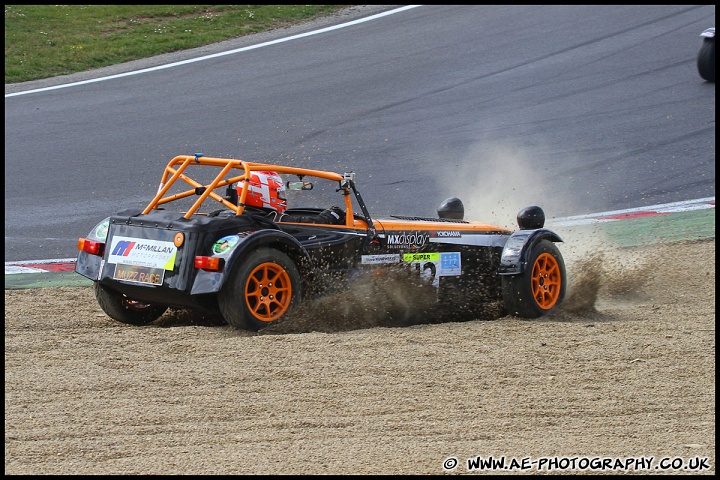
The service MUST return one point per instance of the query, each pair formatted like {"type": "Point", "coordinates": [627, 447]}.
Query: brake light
{"type": "Point", "coordinates": [211, 264]}
{"type": "Point", "coordinates": [91, 246]}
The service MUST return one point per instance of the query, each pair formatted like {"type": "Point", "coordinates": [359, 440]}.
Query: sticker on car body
{"type": "Point", "coordinates": [225, 244]}
{"type": "Point", "coordinates": [139, 274]}
{"type": "Point", "coordinates": [433, 265]}
{"type": "Point", "coordinates": [468, 238]}
{"type": "Point", "coordinates": [446, 263]}
{"type": "Point", "coordinates": [142, 252]}
{"type": "Point", "coordinates": [406, 240]}
{"type": "Point", "coordinates": [381, 259]}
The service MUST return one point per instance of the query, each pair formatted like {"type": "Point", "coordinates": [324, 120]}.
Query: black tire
{"type": "Point", "coordinates": [261, 290]}
{"type": "Point", "coordinates": [706, 61]}
{"type": "Point", "coordinates": [121, 308]}
{"type": "Point", "coordinates": [541, 287]}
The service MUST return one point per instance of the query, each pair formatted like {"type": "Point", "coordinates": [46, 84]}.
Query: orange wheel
{"type": "Point", "coordinates": [546, 281]}
{"type": "Point", "coordinates": [268, 292]}
{"type": "Point", "coordinates": [540, 287]}
{"type": "Point", "coordinates": [261, 289]}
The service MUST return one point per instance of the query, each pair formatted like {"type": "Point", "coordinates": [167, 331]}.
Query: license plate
{"type": "Point", "coordinates": [138, 274]}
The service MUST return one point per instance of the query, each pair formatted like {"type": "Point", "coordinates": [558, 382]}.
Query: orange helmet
{"type": "Point", "coordinates": [266, 190]}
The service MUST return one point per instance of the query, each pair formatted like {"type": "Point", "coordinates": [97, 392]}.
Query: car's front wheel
{"type": "Point", "coordinates": [261, 290]}
{"type": "Point", "coordinates": [125, 310]}
{"type": "Point", "coordinates": [706, 60]}
{"type": "Point", "coordinates": [541, 287]}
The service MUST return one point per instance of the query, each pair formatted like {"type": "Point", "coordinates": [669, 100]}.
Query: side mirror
{"type": "Point", "coordinates": [297, 186]}
{"type": "Point", "coordinates": [348, 177]}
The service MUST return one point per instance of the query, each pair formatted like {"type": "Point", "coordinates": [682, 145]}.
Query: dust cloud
{"type": "Point", "coordinates": [594, 268]}
{"type": "Point", "coordinates": [387, 298]}
{"type": "Point", "coordinates": [496, 181]}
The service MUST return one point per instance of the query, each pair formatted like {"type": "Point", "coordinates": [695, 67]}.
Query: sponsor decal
{"type": "Point", "coordinates": [138, 274]}
{"type": "Point", "coordinates": [407, 239]}
{"type": "Point", "coordinates": [381, 259]}
{"type": "Point", "coordinates": [225, 244]}
{"type": "Point", "coordinates": [450, 264]}
{"type": "Point", "coordinates": [433, 265]}
{"type": "Point", "coordinates": [123, 248]}
{"type": "Point", "coordinates": [446, 234]}
{"type": "Point", "coordinates": [142, 252]}
{"type": "Point", "coordinates": [101, 230]}
{"type": "Point", "coordinates": [473, 238]}
{"type": "Point", "coordinates": [421, 257]}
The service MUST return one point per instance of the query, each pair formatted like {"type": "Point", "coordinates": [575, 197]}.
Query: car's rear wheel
{"type": "Point", "coordinates": [706, 60]}
{"type": "Point", "coordinates": [125, 310]}
{"type": "Point", "coordinates": [261, 290]}
{"type": "Point", "coordinates": [541, 287]}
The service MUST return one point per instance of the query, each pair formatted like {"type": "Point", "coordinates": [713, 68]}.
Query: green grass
{"type": "Point", "coordinates": [44, 41]}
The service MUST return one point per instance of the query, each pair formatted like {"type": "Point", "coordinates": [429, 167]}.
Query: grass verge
{"type": "Point", "coordinates": [43, 41]}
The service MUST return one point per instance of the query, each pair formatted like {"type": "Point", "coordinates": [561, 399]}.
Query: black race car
{"type": "Point", "coordinates": [230, 244]}
{"type": "Point", "coordinates": [706, 55]}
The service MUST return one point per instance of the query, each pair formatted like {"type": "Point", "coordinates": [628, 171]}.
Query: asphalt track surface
{"type": "Point", "coordinates": [579, 109]}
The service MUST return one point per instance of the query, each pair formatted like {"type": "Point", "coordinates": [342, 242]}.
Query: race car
{"type": "Point", "coordinates": [231, 245]}
{"type": "Point", "coordinates": [706, 55]}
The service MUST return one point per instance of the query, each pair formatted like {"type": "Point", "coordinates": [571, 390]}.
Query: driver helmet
{"type": "Point", "coordinates": [266, 190]}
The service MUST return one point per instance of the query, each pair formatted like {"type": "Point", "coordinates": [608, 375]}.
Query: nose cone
{"type": "Point", "coordinates": [530, 218]}
{"type": "Point", "coordinates": [451, 208]}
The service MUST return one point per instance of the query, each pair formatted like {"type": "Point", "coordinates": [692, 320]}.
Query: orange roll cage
{"type": "Point", "coordinates": [239, 171]}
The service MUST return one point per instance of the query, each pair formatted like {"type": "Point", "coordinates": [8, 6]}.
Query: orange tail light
{"type": "Point", "coordinates": [91, 246]}
{"type": "Point", "coordinates": [211, 264]}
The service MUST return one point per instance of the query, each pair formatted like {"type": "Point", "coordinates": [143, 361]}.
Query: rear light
{"type": "Point", "coordinates": [211, 264]}
{"type": "Point", "coordinates": [91, 246]}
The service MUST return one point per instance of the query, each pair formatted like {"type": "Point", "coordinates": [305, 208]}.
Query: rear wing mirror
{"type": "Point", "coordinates": [347, 180]}
{"type": "Point", "coordinates": [297, 186]}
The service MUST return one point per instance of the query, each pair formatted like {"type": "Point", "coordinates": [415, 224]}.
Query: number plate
{"type": "Point", "coordinates": [138, 274]}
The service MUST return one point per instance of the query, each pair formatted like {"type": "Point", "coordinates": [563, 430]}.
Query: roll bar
{"type": "Point", "coordinates": [232, 171]}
